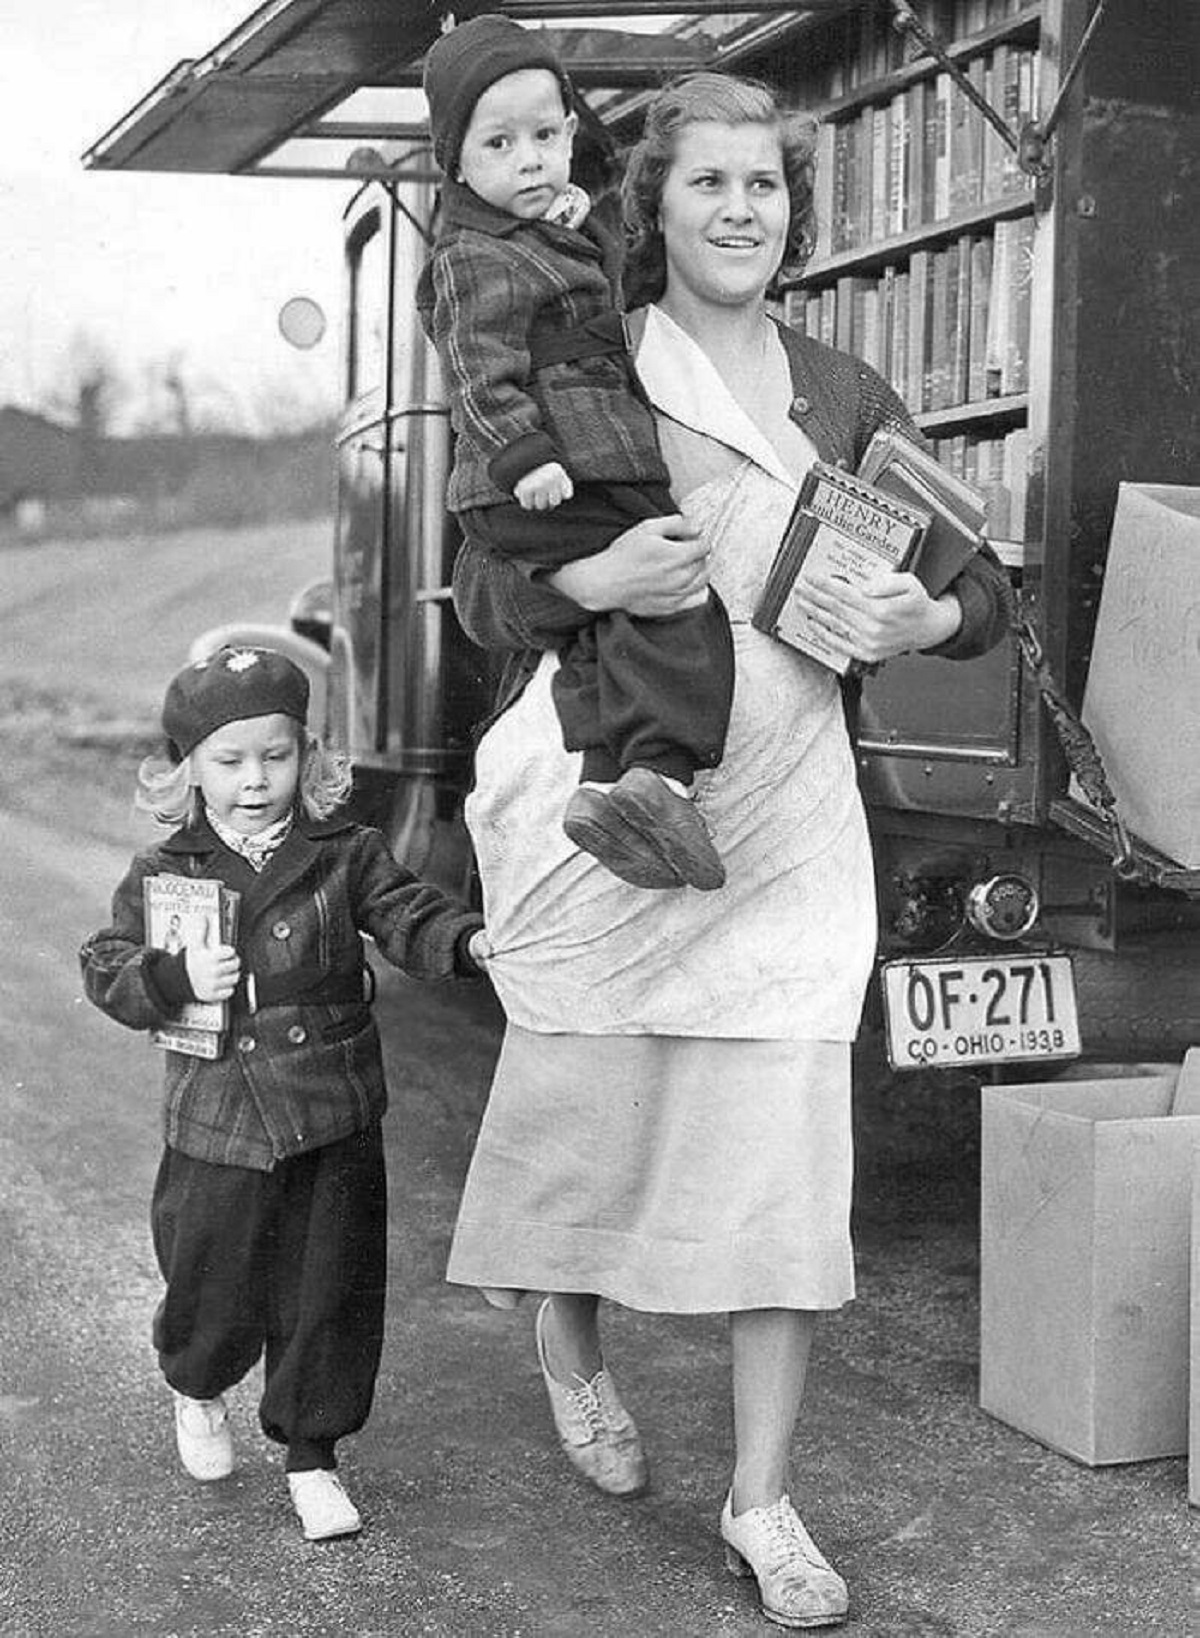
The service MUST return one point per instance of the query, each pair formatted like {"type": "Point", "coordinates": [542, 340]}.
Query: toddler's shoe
{"type": "Point", "coordinates": [595, 827]}
{"type": "Point", "coordinates": [322, 1505]}
{"type": "Point", "coordinates": [203, 1437]}
{"type": "Point", "coordinates": [798, 1587]}
{"type": "Point", "coordinates": [670, 824]}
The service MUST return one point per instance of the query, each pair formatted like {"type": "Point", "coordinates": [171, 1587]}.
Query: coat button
{"type": "Point", "coordinates": [297, 1034]}
{"type": "Point", "coordinates": [246, 1043]}
{"type": "Point", "coordinates": [281, 929]}
{"type": "Point", "coordinates": [801, 406]}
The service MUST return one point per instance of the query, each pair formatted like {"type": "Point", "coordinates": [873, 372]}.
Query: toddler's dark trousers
{"type": "Point", "coordinates": [629, 692]}
{"type": "Point", "coordinates": [288, 1264]}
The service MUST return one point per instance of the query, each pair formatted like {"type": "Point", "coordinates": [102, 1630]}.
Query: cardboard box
{"type": "Point", "coordinates": [1085, 1263]}
{"type": "Point", "coordinates": [1140, 697]}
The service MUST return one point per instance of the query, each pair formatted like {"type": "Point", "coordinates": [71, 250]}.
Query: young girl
{"type": "Point", "coordinates": [269, 1209]}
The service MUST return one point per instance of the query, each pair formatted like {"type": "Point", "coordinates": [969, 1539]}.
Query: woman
{"type": "Point", "coordinates": [669, 1124]}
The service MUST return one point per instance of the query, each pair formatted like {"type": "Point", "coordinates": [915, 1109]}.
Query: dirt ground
{"type": "Point", "coordinates": [948, 1524]}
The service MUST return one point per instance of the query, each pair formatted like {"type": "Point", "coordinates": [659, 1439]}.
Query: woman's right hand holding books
{"type": "Point", "coordinates": [213, 973]}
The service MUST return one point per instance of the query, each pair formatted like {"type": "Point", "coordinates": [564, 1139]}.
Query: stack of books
{"type": "Point", "coordinates": [901, 511]}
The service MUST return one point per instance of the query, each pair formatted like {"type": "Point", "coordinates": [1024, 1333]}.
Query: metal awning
{"type": "Point", "coordinates": [331, 87]}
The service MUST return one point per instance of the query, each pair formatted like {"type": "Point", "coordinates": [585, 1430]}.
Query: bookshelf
{"type": "Point", "coordinates": [1042, 332]}
{"type": "Point", "coordinates": [923, 263]}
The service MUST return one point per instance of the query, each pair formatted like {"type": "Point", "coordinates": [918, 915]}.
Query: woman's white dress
{"type": "Point", "coordinates": [669, 1123]}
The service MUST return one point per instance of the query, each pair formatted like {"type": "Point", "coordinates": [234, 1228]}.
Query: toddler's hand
{"type": "Point", "coordinates": [213, 973]}
{"type": "Point", "coordinates": [544, 488]}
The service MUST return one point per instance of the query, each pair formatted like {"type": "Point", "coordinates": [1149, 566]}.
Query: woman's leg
{"type": "Point", "coordinates": [572, 1337]}
{"type": "Point", "coordinates": [763, 1534]}
{"type": "Point", "coordinates": [770, 1362]}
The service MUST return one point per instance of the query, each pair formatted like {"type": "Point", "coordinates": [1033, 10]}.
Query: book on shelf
{"type": "Point", "coordinates": [981, 286]}
{"type": "Point", "coordinates": [823, 190]}
{"type": "Point", "coordinates": [842, 528]}
{"type": "Point", "coordinates": [956, 510]}
{"type": "Point", "coordinates": [191, 912]}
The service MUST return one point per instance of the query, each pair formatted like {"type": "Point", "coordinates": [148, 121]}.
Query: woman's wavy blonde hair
{"type": "Point", "coordinates": [723, 99]}
{"type": "Point", "coordinates": [167, 789]}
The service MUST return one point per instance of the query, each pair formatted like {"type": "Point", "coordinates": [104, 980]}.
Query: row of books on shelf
{"type": "Point", "coordinates": [946, 326]}
{"type": "Point", "coordinates": [997, 467]}
{"type": "Point", "coordinates": [923, 156]}
{"type": "Point", "coordinates": [866, 45]}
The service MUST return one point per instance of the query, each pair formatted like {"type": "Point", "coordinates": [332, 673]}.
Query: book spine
{"type": "Point", "coordinates": [898, 367]}
{"type": "Point", "coordinates": [981, 289]}
{"type": "Point", "coordinates": [914, 99]}
{"type": "Point", "coordinates": [943, 85]}
{"type": "Point", "coordinates": [823, 190]}
{"type": "Point", "coordinates": [939, 331]}
{"type": "Point", "coordinates": [998, 310]}
{"type": "Point", "coordinates": [880, 168]}
{"type": "Point", "coordinates": [829, 315]}
{"type": "Point", "coordinates": [958, 317]}
{"type": "Point", "coordinates": [1014, 373]}
{"type": "Point", "coordinates": [920, 301]}
{"type": "Point", "coordinates": [1016, 457]}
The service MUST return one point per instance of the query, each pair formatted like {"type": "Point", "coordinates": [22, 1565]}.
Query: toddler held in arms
{"type": "Point", "coordinates": [556, 453]}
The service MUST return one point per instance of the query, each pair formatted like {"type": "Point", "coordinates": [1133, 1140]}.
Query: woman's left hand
{"type": "Point", "coordinates": [885, 616]}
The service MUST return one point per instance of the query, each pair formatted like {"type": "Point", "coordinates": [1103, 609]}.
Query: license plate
{"type": "Point", "coordinates": [994, 1009]}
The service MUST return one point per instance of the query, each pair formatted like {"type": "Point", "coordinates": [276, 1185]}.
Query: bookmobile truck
{"type": "Point", "coordinates": [1011, 231]}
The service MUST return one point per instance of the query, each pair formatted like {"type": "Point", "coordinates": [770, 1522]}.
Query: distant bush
{"type": "Point", "coordinates": [162, 484]}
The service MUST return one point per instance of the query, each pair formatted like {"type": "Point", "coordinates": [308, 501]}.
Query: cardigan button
{"type": "Point", "coordinates": [801, 405]}
{"type": "Point", "coordinates": [297, 1034]}
{"type": "Point", "coordinates": [281, 929]}
{"type": "Point", "coordinates": [246, 1043]}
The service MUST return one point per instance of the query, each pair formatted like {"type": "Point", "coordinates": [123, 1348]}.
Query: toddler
{"type": "Point", "coordinates": [556, 453]}
{"type": "Point", "coordinates": [269, 1209]}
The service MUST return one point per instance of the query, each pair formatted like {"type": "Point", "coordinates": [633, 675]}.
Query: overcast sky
{"type": "Point", "coordinates": [149, 266]}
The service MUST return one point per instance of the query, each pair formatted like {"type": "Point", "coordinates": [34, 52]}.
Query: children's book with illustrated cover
{"type": "Point", "coordinates": [841, 528]}
{"type": "Point", "coordinates": [190, 912]}
{"type": "Point", "coordinates": [957, 510]}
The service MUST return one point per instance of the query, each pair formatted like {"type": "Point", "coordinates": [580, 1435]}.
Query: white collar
{"type": "Point", "coordinates": [682, 382]}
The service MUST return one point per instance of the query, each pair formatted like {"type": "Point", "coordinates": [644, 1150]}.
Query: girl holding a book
{"type": "Point", "coordinates": [269, 1209]}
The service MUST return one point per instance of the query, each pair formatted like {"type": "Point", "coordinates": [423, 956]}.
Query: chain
{"type": "Point", "coordinates": [1079, 748]}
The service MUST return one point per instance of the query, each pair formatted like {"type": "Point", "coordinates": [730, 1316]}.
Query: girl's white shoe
{"type": "Point", "coordinates": [322, 1505]}
{"type": "Point", "coordinates": [798, 1586]}
{"type": "Point", "coordinates": [202, 1437]}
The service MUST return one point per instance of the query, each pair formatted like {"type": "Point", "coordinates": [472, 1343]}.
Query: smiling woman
{"type": "Point", "coordinates": [689, 1053]}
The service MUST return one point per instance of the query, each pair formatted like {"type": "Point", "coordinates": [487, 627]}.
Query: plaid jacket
{"type": "Point", "coordinates": [499, 297]}
{"type": "Point", "coordinates": [305, 1070]}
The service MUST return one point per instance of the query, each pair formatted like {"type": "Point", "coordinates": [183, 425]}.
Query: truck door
{"type": "Point", "coordinates": [408, 685]}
